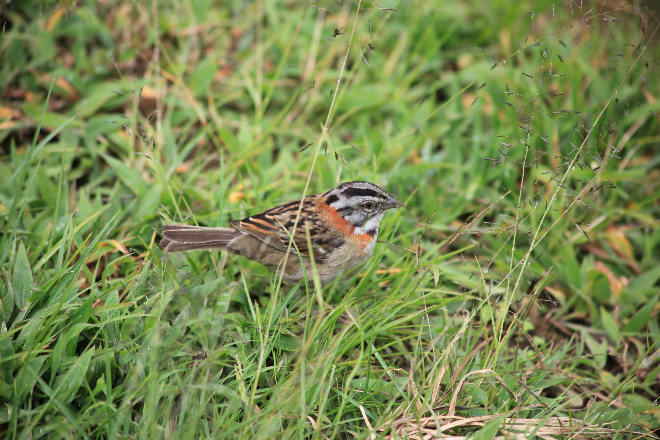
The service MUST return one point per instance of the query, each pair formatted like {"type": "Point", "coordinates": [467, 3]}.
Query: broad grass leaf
{"type": "Point", "coordinates": [70, 382]}
{"type": "Point", "coordinates": [490, 429]}
{"type": "Point", "coordinates": [644, 283]}
{"type": "Point", "coordinates": [598, 286]}
{"type": "Point", "coordinates": [5, 390]}
{"type": "Point", "coordinates": [597, 349]}
{"type": "Point", "coordinates": [149, 203]}
{"type": "Point", "coordinates": [202, 77]}
{"type": "Point", "coordinates": [231, 141]}
{"type": "Point", "coordinates": [131, 177]}
{"type": "Point", "coordinates": [6, 302]}
{"type": "Point", "coordinates": [436, 276]}
{"type": "Point", "coordinates": [638, 403]}
{"type": "Point", "coordinates": [642, 317]}
{"type": "Point", "coordinates": [610, 325]}
{"type": "Point", "coordinates": [287, 343]}
{"type": "Point", "coordinates": [22, 278]}
{"type": "Point", "coordinates": [98, 95]}
{"type": "Point", "coordinates": [47, 119]}
{"type": "Point", "coordinates": [6, 352]}
{"type": "Point", "coordinates": [68, 339]}
{"type": "Point", "coordinates": [27, 376]}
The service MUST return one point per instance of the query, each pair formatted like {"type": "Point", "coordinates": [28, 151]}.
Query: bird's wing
{"type": "Point", "coordinates": [274, 227]}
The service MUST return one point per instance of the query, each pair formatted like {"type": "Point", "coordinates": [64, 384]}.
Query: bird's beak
{"type": "Point", "coordinates": [393, 203]}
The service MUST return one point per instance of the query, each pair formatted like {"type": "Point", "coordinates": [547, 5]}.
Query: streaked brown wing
{"type": "Point", "coordinates": [266, 234]}
{"type": "Point", "coordinates": [273, 227]}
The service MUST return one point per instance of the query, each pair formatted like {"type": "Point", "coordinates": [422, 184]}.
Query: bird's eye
{"type": "Point", "coordinates": [368, 205]}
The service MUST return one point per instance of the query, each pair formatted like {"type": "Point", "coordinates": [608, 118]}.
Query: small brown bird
{"type": "Point", "coordinates": [343, 227]}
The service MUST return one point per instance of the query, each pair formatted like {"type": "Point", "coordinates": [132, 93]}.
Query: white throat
{"type": "Point", "coordinates": [371, 224]}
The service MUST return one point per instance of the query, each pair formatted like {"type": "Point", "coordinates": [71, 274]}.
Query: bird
{"type": "Point", "coordinates": [342, 223]}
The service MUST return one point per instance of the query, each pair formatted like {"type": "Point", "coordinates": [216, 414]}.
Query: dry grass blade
{"type": "Point", "coordinates": [512, 427]}
{"type": "Point", "coordinates": [467, 359]}
{"type": "Point", "coordinates": [522, 136]}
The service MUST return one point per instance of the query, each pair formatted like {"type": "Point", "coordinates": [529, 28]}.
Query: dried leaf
{"type": "Point", "coordinates": [616, 284]}
{"type": "Point", "coordinates": [619, 242]}
{"type": "Point", "coordinates": [236, 196]}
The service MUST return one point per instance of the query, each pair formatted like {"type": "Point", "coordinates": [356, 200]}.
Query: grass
{"type": "Point", "coordinates": [517, 292]}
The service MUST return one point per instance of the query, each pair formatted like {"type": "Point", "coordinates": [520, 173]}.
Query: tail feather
{"type": "Point", "coordinates": [179, 238]}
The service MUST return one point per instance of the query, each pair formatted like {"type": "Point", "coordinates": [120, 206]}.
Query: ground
{"type": "Point", "coordinates": [516, 292]}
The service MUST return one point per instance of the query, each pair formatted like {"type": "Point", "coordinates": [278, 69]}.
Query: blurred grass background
{"type": "Point", "coordinates": [517, 291]}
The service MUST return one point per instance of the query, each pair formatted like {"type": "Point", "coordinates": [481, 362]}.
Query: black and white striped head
{"type": "Point", "coordinates": [362, 204]}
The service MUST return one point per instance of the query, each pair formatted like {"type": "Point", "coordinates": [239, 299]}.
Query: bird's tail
{"type": "Point", "coordinates": [179, 238]}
